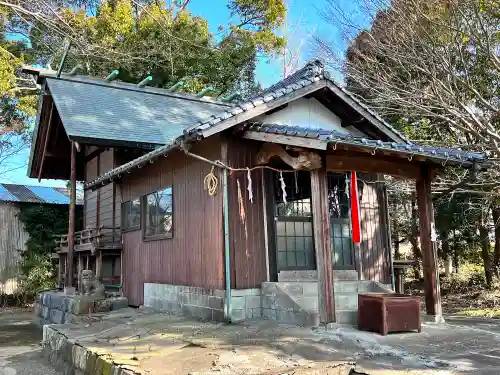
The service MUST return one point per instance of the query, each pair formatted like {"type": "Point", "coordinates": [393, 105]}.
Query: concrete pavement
{"type": "Point", "coordinates": [20, 350]}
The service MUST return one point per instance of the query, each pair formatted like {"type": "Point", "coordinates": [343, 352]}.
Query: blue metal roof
{"type": "Point", "coordinates": [36, 194]}
{"type": "Point", "coordinates": [5, 195]}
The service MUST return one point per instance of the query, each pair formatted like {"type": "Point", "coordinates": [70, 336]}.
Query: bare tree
{"type": "Point", "coordinates": [11, 145]}
{"type": "Point", "coordinates": [435, 60]}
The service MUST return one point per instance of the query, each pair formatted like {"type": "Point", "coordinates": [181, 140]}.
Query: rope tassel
{"type": "Point", "coordinates": [283, 187]}
{"type": "Point", "coordinates": [249, 188]}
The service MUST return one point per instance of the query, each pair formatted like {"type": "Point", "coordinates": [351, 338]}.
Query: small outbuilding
{"type": "Point", "coordinates": [13, 235]}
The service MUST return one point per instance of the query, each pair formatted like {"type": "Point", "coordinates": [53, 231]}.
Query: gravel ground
{"type": "Point", "coordinates": [20, 352]}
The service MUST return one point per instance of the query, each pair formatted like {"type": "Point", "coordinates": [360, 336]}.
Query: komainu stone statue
{"type": "Point", "coordinates": [90, 285]}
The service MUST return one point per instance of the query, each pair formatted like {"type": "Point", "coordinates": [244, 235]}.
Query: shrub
{"type": "Point", "coordinates": [469, 277]}
{"type": "Point", "coordinates": [36, 274]}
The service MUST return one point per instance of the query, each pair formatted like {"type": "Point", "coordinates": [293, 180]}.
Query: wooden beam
{"type": "Point", "coordinates": [94, 154]}
{"type": "Point", "coordinates": [286, 140]}
{"type": "Point", "coordinates": [428, 244]}
{"type": "Point", "coordinates": [71, 228]}
{"type": "Point", "coordinates": [365, 113]}
{"type": "Point", "coordinates": [323, 244]}
{"type": "Point", "coordinates": [45, 143]}
{"type": "Point", "coordinates": [372, 164]}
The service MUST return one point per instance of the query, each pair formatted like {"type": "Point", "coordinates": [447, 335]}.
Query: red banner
{"type": "Point", "coordinates": [355, 223]}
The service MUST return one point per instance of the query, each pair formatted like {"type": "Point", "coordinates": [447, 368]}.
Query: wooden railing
{"type": "Point", "coordinates": [91, 239]}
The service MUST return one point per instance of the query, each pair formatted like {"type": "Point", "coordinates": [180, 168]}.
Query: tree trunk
{"type": "Point", "coordinates": [495, 211]}
{"type": "Point", "coordinates": [417, 254]}
{"type": "Point", "coordinates": [485, 254]}
{"type": "Point", "coordinates": [447, 257]}
{"type": "Point", "coordinates": [456, 261]}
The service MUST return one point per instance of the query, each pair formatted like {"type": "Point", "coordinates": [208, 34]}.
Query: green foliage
{"type": "Point", "coordinates": [37, 273]}
{"type": "Point", "coordinates": [154, 39]}
{"type": "Point", "coordinates": [471, 276]}
{"type": "Point", "coordinates": [42, 222]}
{"type": "Point", "coordinates": [16, 106]}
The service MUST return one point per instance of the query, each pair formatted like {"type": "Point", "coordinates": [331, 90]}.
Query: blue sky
{"type": "Point", "coordinates": [303, 19]}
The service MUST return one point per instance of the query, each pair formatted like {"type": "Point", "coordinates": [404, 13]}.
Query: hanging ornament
{"type": "Point", "coordinates": [240, 202]}
{"type": "Point", "coordinates": [296, 182]}
{"type": "Point", "coordinates": [249, 188]}
{"type": "Point", "coordinates": [283, 187]}
{"type": "Point", "coordinates": [347, 182]}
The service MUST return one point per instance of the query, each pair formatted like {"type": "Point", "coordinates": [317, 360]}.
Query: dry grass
{"type": "Point", "coordinates": [465, 293]}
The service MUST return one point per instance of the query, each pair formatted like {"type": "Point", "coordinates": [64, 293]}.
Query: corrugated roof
{"type": "Point", "coordinates": [96, 109]}
{"type": "Point", "coordinates": [37, 194]}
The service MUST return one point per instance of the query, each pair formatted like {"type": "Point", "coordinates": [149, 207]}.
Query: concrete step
{"type": "Point", "coordinates": [312, 275]}
{"type": "Point", "coordinates": [303, 275]}
{"type": "Point", "coordinates": [308, 303]}
{"type": "Point", "coordinates": [346, 301]}
{"type": "Point", "coordinates": [347, 317]}
{"type": "Point", "coordinates": [287, 303]}
{"type": "Point", "coordinates": [353, 286]}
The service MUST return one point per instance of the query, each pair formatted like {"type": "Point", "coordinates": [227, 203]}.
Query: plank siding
{"type": "Point", "coordinates": [90, 197]}
{"type": "Point", "coordinates": [106, 198]}
{"type": "Point", "coordinates": [246, 219]}
{"type": "Point", "coordinates": [195, 254]}
{"type": "Point", "coordinates": [13, 238]}
{"type": "Point", "coordinates": [374, 230]}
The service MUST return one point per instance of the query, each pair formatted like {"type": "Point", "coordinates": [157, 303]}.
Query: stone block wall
{"type": "Point", "coordinates": [245, 304]}
{"type": "Point", "coordinates": [54, 307]}
{"type": "Point", "coordinates": [291, 303]}
{"type": "Point", "coordinates": [189, 301]}
{"type": "Point", "coordinates": [202, 303]}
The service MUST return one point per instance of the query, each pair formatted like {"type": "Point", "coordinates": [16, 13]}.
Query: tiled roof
{"type": "Point", "coordinates": [312, 72]}
{"type": "Point", "coordinates": [36, 194]}
{"type": "Point", "coordinates": [448, 156]}
{"type": "Point", "coordinates": [96, 109]}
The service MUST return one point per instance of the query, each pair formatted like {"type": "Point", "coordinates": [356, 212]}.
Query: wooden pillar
{"type": "Point", "coordinates": [98, 264]}
{"type": "Point", "coordinates": [71, 227]}
{"type": "Point", "coordinates": [323, 244]}
{"type": "Point", "coordinates": [428, 244]}
{"type": "Point", "coordinates": [79, 272]}
{"type": "Point", "coordinates": [60, 271]}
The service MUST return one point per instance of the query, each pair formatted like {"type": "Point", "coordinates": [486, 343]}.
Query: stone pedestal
{"type": "Point", "coordinates": [59, 308]}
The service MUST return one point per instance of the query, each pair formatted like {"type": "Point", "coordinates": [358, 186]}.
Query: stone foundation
{"type": "Point", "coordinates": [202, 303]}
{"type": "Point", "coordinates": [55, 307]}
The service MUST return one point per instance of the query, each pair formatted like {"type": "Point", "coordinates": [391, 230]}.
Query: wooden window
{"type": "Point", "coordinates": [131, 215]}
{"type": "Point", "coordinates": [158, 215]}
{"type": "Point", "coordinates": [294, 231]}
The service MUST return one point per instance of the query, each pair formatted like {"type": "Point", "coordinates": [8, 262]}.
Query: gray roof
{"type": "Point", "coordinates": [37, 194]}
{"type": "Point", "coordinates": [96, 109]}
{"type": "Point", "coordinates": [444, 155]}
{"type": "Point", "coordinates": [312, 72]}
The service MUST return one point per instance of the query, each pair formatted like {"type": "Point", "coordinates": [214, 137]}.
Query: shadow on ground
{"type": "Point", "coordinates": [161, 344]}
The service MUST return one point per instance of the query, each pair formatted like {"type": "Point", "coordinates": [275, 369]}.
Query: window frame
{"type": "Point", "coordinates": [156, 237]}
{"type": "Point", "coordinates": [136, 227]}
